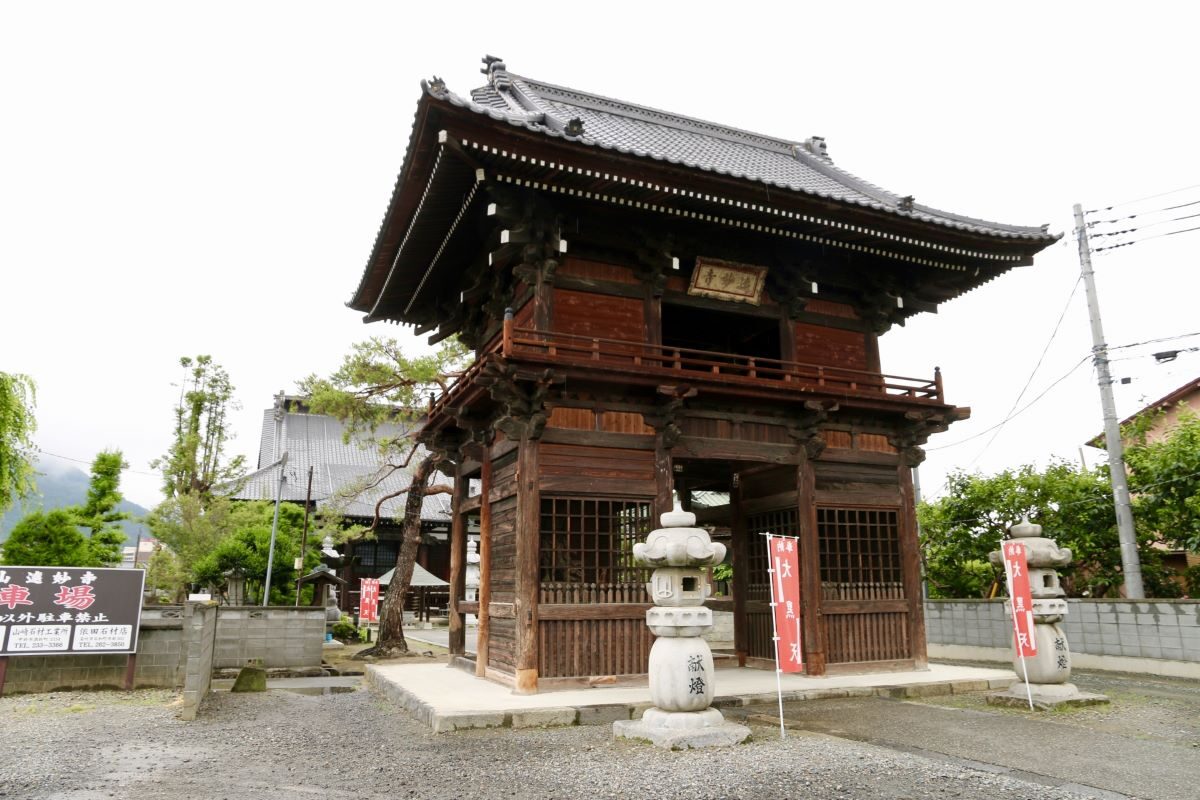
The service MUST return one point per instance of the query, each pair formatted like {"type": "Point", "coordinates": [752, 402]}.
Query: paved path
{"type": "Point", "coordinates": [1145, 744]}
{"type": "Point", "coordinates": [450, 699]}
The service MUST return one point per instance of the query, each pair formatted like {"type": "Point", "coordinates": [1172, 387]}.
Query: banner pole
{"type": "Point", "coordinates": [1013, 608]}
{"type": "Point", "coordinates": [775, 638]}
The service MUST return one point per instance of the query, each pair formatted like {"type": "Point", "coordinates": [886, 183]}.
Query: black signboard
{"type": "Point", "coordinates": [62, 610]}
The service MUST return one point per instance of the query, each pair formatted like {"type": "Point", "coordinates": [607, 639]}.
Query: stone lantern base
{"type": "Point", "coordinates": [681, 730]}
{"type": "Point", "coordinates": [1046, 696]}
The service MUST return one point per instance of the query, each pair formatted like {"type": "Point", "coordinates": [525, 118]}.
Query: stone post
{"type": "Point", "coordinates": [1049, 672]}
{"type": "Point", "coordinates": [681, 663]}
{"type": "Point", "coordinates": [471, 581]}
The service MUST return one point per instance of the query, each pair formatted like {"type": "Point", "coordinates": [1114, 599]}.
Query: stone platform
{"type": "Point", "coordinates": [449, 699]}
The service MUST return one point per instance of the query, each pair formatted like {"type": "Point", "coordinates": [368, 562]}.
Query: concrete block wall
{"type": "Point", "coordinates": [1149, 629]}
{"type": "Point", "coordinates": [160, 643]}
{"type": "Point", "coordinates": [201, 634]}
{"type": "Point", "coordinates": [278, 636]}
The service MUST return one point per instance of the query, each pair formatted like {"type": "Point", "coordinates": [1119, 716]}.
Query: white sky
{"type": "Point", "coordinates": [208, 178]}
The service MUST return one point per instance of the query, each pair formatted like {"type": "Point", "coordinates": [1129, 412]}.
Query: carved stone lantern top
{"type": "Point", "coordinates": [679, 544]}
{"type": "Point", "coordinates": [1025, 529]}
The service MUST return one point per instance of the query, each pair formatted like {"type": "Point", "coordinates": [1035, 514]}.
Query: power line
{"type": "Point", "coordinates": [1155, 341]}
{"type": "Point", "coordinates": [1147, 238]}
{"type": "Point", "coordinates": [1141, 199]}
{"type": "Point", "coordinates": [1027, 406]}
{"type": "Point", "coordinates": [89, 463]}
{"type": "Point", "coordinates": [1036, 367]}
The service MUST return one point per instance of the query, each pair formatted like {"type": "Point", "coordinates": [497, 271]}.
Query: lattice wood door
{"type": "Point", "coordinates": [862, 590]}
{"type": "Point", "coordinates": [782, 522]}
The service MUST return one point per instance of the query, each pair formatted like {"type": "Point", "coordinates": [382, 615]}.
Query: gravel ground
{"type": "Point", "coordinates": [355, 745]}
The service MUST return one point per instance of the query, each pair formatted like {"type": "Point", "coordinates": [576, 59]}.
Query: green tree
{"type": "Point", "coordinates": [17, 425]}
{"type": "Point", "coordinates": [1073, 506]}
{"type": "Point", "coordinates": [248, 547]}
{"type": "Point", "coordinates": [1164, 478]}
{"type": "Point", "coordinates": [47, 539]}
{"type": "Point", "coordinates": [54, 538]}
{"type": "Point", "coordinates": [191, 527]}
{"type": "Point", "coordinates": [165, 576]}
{"type": "Point", "coordinates": [195, 462]}
{"type": "Point", "coordinates": [376, 383]}
{"type": "Point", "coordinates": [99, 513]}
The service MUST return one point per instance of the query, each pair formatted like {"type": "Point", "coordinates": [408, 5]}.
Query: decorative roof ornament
{"type": "Point", "coordinates": [574, 127]}
{"type": "Point", "coordinates": [437, 86]}
{"type": "Point", "coordinates": [906, 203]}
{"type": "Point", "coordinates": [496, 71]}
{"type": "Point", "coordinates": [816, 145]}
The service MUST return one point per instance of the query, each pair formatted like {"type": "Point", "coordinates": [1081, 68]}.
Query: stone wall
{"type": "Point", "coordinates": [179, 646]}
{"type": "Point", "coordinates": [275, 636]}
{"type": "Point", "coordinates": [1158, 636]}
{"type": "Point", "coordinates": [159, 663]}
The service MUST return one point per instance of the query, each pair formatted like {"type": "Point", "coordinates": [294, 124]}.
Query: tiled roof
{"type": "Point", "coordinates": [649, 133]}
{"type": "Point", "coordinates": [339, 467]}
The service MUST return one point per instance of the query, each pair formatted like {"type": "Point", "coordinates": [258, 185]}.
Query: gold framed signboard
{"type": "Point", "coordinates": [727, 280]}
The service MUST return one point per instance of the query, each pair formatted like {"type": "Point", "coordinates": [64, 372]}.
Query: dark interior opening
{"type": "Point", "coordinates": [720, 331]}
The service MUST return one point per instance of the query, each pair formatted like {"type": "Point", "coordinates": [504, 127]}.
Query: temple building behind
{"type": "Point", "coordinates": [661, 306]}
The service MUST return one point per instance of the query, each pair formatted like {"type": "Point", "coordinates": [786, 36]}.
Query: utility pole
{"type": "Point", "coordinates": [274, 527]}
{"type": "Point", "coordinates": [1130, 564]}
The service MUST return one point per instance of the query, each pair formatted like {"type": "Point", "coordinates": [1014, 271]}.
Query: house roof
{"type": "Point", "coordinates": [342, 468]}
{"type": "Point", "coordinates": [1163, 403]}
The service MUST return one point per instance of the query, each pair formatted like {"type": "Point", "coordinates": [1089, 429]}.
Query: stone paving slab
{"type": "Point", "coordinates": [449, 699]}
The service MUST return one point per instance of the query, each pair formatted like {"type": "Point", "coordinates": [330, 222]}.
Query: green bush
{"type": "Point", "coordinates": [344, 631]}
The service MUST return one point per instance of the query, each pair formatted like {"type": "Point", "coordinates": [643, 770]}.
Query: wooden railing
{"type": "Point", "coordinates": [701, 364]}
{"type": "Point", "coordinates": [684, 364]}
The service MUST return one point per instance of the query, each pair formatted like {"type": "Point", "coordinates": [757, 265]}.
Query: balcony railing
{"type": "Point", "coordinates": [684, 364]}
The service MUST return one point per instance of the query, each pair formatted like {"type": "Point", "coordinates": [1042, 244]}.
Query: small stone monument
{"type": "Point", "coordinates": [471, 579]}
{"type": "Point", "coordinates": [681, 663]}
{"type": "Point", "coordinates": [1049, 672]}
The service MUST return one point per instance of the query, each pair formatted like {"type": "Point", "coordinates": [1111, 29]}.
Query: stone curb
{"type": "Point", "coordinates": [607, 713]}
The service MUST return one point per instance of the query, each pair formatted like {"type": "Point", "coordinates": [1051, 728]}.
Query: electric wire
{"type": "Point", "coordinates": [1025, 408]}
{"type": "Point", "coordinates": [89, 463]}
{"type": "Point", "coordinates": [1036, 367]}
{"type": "Point", "coordinates": [1142, 199]}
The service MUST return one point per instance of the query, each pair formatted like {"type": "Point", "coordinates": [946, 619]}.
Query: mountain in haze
{"type": "Point", "coordinates": [59, 486]}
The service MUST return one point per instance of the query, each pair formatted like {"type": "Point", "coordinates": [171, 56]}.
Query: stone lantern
{"type": "Point", "coordinates": [1049, 672]}
{"type": "Point", "coordinates": [681, 663]}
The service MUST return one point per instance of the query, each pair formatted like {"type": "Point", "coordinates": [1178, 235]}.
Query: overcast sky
{"type": "Point", "coordinates": [178, 179]}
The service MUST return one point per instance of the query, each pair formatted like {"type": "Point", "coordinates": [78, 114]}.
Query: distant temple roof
{"type": "Point", "coordinates": [338, 465]}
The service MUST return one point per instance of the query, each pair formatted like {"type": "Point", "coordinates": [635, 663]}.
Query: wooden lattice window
{"type": "Point", "coordinates": [587, 550]}
{"type": "Point", "coordinates": [860, 553]}
{"type": "Point", "coordinates": [782, 522]}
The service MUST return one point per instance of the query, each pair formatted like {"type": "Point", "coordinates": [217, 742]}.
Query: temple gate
{"type": "Point", "coordinates": [661, 306]}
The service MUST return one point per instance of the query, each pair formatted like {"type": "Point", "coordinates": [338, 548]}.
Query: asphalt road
{"type": "Point", "coordinates": [1146, 743]}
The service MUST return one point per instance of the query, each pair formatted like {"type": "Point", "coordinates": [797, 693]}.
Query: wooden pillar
{"type": "Point", "coordinates": [787, 339]}
{"type": "Point", "coordinates": [910, 565]}
{"type": "Point", "coordinates": [528, 524]}
{"type": "Point", "coordinates": [485, 560]}
{"type": "Point", "coordinates": [872, 343]}
{"type": "Point", "coordinates": [543, 302]}
{"type": "Point", "coordinates": [458, 561]}
{"type": "Point", "coordinates": [663, 480]}
{"type": "Point", "coordinates": [741, 574]}
{"type": "Point", "coordinates": [810, 570]}
{"type": "Point", "coordinates": [653, 318]}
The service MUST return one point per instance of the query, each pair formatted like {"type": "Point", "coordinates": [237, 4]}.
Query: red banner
{"type": "Point", "coordinates": [1016, 569]}
{"type": "Point", "coordinates": [368, 600]}
{"type": "Point", "coordinates": [785, 597]}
